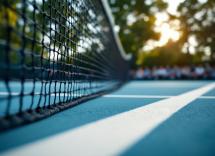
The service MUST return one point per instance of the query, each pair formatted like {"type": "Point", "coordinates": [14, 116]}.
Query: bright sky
{"type": "Point", "coordinates": [173, 4]}
{"type": "Point", "coordinates": [164, 28]}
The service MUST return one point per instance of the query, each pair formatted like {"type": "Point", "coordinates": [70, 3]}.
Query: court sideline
{"type": "Point", "coordinates": [187, 129]}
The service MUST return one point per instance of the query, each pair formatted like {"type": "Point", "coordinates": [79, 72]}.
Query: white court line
{"type": "Point", "coordinates": [6, 93]}
{"type": "Point", "coordinates": [137, 96]}
{"type": "Point", "coordinates": [112, 135]}
{"type": "Point", "coordinates": [207, 97]}
{"type": "Point", "coordinates": [115, 96]}
{"type": "Point", "coordinates": [150, 96]}
{"type": "Point", "coordinates": [37, 93]}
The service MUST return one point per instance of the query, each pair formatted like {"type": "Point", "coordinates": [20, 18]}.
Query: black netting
{"type": "Point", "coordinates": [54, 54]}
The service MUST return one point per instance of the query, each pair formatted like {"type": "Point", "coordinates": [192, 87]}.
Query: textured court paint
{"type": "Point", "coordinates": [139, 85]}
{"type": "Point", "coordinates": [82, 114]}
{"type": "Point", "coordinates": [207, 97]}
{"type": "Point", "coordinates": [167, 84]}
{"type": "Point", "coordinates": [156, 88]}
{"type": "Point", "coordinates": [112, 135]}
{"type": "Point", "coordinates": [165, 88]}
{"type": "Point", "coordinates": [150, 96]}
{"type": "Point", "coordinates": [211, 93]}
{"type": "Point", "coordinates": [189, 132]}
{"type": "Point", "coordinates": [136, 96]}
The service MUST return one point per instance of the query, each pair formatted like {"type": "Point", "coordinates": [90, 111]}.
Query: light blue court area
{"type": "Point", "coordinates": [190, 131]}
{"type": "Point", "coordinates": [210, 93]}
{"type": "Point", "coordinates": [87, 112]}
{"type": "Point", "coordinates": [159, 87]}
{"type": "Point", "coordinates": [187, 131]}
{"type": "Point", "coordinates": [45, 93]}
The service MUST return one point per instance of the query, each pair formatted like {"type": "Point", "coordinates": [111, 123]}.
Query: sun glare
{"type": "Point", "coordinates": [167, 33]}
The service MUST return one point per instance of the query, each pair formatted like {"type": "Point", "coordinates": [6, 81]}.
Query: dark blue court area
{"type": "Point", "coordinates": [188, 131]}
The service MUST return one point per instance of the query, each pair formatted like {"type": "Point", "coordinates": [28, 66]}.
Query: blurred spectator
{"type": "Point", "coordinates": [131, 74]}
{"type": "Point", "coordinates": [199, 71]}
{"type": "Point", "coordinates": [168, 70]}
{"type": "Point", "coordinates": [139, 73]}
{"type": "Point", "coordinates": [185, 72]}
{"type": "Point", "coordinates": [170, 74]}
{"type": "Point", "coordinates": [192, 72]}
{"type": "Point", "coordinates": [147, 73]}
{"type": "Point", "coordinates": [162, 73]}
{"type": "Point", "coordinates": [155, 73]}
{"type": "Point", "coordinates": [208, 71]}
{"type": "Point", "coordinates": [213, 73]}
{"type": "Point", "coordinates": [176, 72]}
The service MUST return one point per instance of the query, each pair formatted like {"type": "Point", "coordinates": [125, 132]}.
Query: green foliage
{"type": "Point", "coordinates": [26, 27]}
{"type": "Point", "coordinates": [197, 19]}
{"type": "Point", "coordinates": [134, 35]}
{"type": "Point", "coordinates": [166, 55]}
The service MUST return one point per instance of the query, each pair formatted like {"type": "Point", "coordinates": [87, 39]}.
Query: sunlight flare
{"type": "Point", "coordinates": [167, 33]}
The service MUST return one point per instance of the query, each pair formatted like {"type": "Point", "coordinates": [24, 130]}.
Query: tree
{"type": "Point", "coordinates": [196, 19]}
{"type": "Point", "coordinates": [206, 35]}
{"type": "Point", "coordinates": [136, 19]}
{"type": "Point", "coordinates": [166, 55]}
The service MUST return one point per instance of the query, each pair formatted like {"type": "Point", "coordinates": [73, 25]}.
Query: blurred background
{"type": "Point", "coordinates": [171, 39]}
{"type": "Point", "coordinates": [166, 32]}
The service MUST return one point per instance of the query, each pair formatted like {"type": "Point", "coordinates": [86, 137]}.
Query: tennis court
{"type": "Point", "coordinates": [65, 88]}
{"type": "Point", "coordinates": [124, 123]}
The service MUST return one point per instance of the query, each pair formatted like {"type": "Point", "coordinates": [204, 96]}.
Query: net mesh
{"type": "Point", "coordinates": [54, 54]}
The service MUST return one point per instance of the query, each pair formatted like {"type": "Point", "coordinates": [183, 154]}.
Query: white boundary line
{"type": "Point", "coordinates": [137, 96]}
{"type": "Point", "coordinates": [115, 96]}
{"type": "Point", "coordinates": [112, 135]}
{"type": "Point", "coordinates": [38, 93]}
{"type": "Point", "coordinates": [150, 96]}
{"type": "Point", "coordinates": [111, 19]}
{"type": "Point", "coordinates": [207, 97]}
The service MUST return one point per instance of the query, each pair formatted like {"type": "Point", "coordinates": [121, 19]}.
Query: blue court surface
{"type": "Point", "coordinates": [141, 118]}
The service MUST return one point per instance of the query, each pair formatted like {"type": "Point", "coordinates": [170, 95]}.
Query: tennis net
{"type": "Point", "coordinates": [55, 54]}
